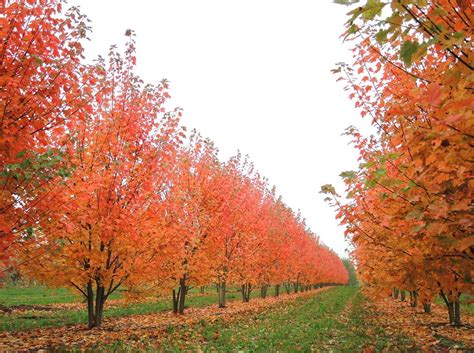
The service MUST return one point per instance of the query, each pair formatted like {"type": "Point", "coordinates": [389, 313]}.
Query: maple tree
{"type": "Point", "coordinates": [97, 228]}
{"type": "Point", "coordinates": [41, 91]}
{"type": "Point", "coordinates": [409, 212]}
{"type": "Point", "coordinates": [191, 205]}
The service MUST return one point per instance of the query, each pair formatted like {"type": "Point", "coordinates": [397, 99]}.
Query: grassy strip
{"type": "Point", "coordinates": [335, 320]}
{"type": "Point", "coordinates": [302, 325]}
{"type": "Point", "coordinates": [36, 295]}
{"type": "Point", "coordinates": [359, 333]}
{"type": "Point", "coordinates": [56, 318]}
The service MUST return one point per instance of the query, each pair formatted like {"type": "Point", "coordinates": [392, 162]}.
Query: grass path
{"type": "Point", "coordinates": [334, 320]}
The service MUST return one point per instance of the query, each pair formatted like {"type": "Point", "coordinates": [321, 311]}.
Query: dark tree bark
{"type": "Point", "coordinates": [246, 289]}
{"type": "Point", "coordinates": [221, 291]}
{"type": "Point", "coordinates": [277, 290]}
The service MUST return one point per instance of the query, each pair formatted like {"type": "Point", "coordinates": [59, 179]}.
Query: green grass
{"type": "Point", "coordinates": [36, 295]}
{"type": "Point", "coordinates": [334, 320]}
{"type": "Point", "coordinates": [41, 295]}
{"type": "Point", "coordinates": [307, 324]}
{"type": "Point", "coordinates": [63, 317]}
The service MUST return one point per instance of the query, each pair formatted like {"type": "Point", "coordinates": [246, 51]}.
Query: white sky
{"type": "Point", "coordinates": [252, 75]}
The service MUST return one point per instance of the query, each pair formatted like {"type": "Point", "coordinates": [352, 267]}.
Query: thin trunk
{"type": "Point", "coordinates": [90, 305]}
{"type": "Point", "coordinates": [263, 291]}
{"type": "Point", "coordinates": [414, 302]}
{"type": "Point", "coordinates": [277, 290]}
{"type": "Point", "coordinates": [202, 289]}
{"type": "Point", "coordinates": [221, 291]}
{"type": "Point", "coordinates": [402, 295]}
{"type": "Point", "coordinates": [451, 312]}
{"type": "Point", "coordinates": [99, 305]}
{"type": "Point", "coordinates": [457, 313]}
{"type": "Point", "coordinates": [175, 301]}
{"type": "Point", "coordinates": [427, 308]}
{"type": "Point", "coordinates": [183, 288]}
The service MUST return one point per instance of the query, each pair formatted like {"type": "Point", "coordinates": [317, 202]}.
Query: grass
{"type": "Point", "coordinates": [334, 320]}
{"type": "Point", "coordinates": [53, 318]}
{"type": "Point", "coordinates": [36, 295]}
{"type": "Point", "coordinates": [307, 324]}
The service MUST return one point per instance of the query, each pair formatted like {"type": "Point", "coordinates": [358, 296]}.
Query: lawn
{"type": "Point", "coordinates": [334, 320]}
{"type": "Point", "coordinates": [42, 314]}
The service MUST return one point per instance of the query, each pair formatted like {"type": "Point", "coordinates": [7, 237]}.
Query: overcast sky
{"type": "Point", "coordinates": [252, 75]}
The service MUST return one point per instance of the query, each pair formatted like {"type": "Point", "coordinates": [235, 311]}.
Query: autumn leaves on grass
{"type": "Point", "coordinates": [153, 327]}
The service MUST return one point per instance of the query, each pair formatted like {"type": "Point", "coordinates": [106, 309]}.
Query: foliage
{"type": "Point", "coordinates": [353, 281]}
{"type": "Point", "coordinates": [103, 189]}
{"type": "Point", "coordinates": [42, 95]}
{"type": "Point", "coordinates": [409, 211]}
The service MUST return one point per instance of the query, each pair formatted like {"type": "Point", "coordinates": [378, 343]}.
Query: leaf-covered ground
{"type": "Point", "coordinates": [431, 332]}
{"type": "Point", "coordinates": [38, 307]}
{"type": "Point", "coordinates": [338, 319]}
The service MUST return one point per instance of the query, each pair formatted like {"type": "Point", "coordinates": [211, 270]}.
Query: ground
{"type": "Point", "coordinates": [337, 319]}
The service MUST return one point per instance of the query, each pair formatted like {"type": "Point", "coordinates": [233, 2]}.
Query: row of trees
{"type": "Point", "coordinates": [102, 188]}
{"type": "Point", "coordinates": [409, 205]}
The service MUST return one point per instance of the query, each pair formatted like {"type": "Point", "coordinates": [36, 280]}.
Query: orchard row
{"type": "Point", "coordinates": [102, 188]}
{"type": "Point", "coordinates": [409, 207]}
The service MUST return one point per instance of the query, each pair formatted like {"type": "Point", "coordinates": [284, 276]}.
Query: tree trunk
{"type": "Point", "coordinates": [263, 291]}
{"type": "Point", "coordinates": [175, 301]}
{"type": "Point", "coordinates": [183, 288]}
{"type": "Point", "coordinates": [414, 302]}
{"type": "Point", "coordinates": [454, 312]}
{"type": "Point", "coordinates": [90, 306]}
{"type": "Point", "coordinates": [402, 295]}
{"type": "Point", "coordinates": [221, 290]}
{"type": "Point", "coordinates": [202, 289]}
{"type": "Point", "coordinates": [277, 290]}
{"type": "Point", "coordinates": [95, 310]}
{"type": "Point", "coordinates": [99, 305]}
{"type": "Point", "coordinates": [427, 308]}
{"type": "Point", "coordinates": [179, 298]}
{"type": "Point", "coordinates": [457, 313]}
{"type": "Point", "coordinates": [287, 288]}
{"type": "Point", "coordinates": [451, 312]}
{"type": "Point", "coordinates": [246, 290]}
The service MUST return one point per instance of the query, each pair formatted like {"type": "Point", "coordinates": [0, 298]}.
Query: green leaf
{"type": "Point", "coordinates": [381, 36]}
{"type": "Point", "coordinates": [407, 51]}
{"type": "Point", "coordinates": [21, 154]}
{"type": "Point", "coordinates": [372, 8]}
{"type": "Point", "coordinates": [369, 183]}
{"type": "Point", "coordinates": [348, 175]}
{"type": "Point", "coordinates": [380, 173]}
{"type": "Point", "coordinates": [352, 29]}
{"type": "Point", "coordinates": [328, 189]}
{"type": "Point", "coordinates": [408, 187]}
